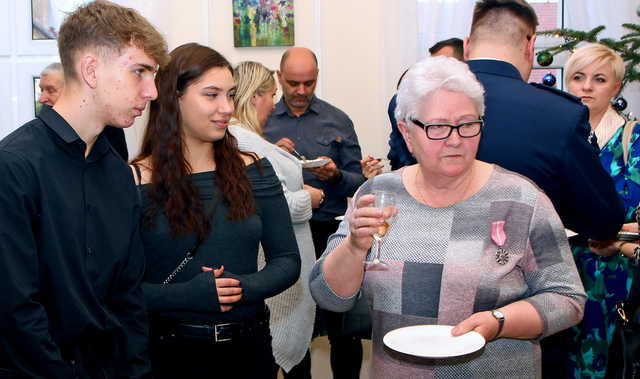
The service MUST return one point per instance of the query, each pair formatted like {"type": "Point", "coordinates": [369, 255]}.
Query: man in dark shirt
{"type": "Point", "coordinates": [71, 260]}
{"type": "Point", "coordinates": [51, 86]}
{"type": "Point", "coordinates": [307, 126]}
{"type": "Point", "coordinates": [538, 132]}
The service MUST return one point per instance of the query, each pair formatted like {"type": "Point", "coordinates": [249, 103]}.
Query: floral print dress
{"type": "Point", "coordinates": [606, 280]}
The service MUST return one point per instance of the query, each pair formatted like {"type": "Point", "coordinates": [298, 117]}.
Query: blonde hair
{"type": "Point", "coordinates": [251, 78]}
{"type": "Point", "coordinates": [593, 53]}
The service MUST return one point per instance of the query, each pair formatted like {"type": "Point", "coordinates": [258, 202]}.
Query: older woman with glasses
{"type": "Point", "coordinates": [472, 246]}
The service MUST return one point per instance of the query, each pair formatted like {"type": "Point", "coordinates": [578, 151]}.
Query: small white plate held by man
{"type": "Point", "coordinates": [313, 163]}
{"type": "Point", "coordinates": [432, 341]}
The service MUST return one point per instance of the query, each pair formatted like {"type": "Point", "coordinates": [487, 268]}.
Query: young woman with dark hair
{"type": "Point", "coordinates": [207, 207]}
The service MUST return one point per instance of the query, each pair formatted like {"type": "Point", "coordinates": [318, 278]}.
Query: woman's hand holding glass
{"type": "Point", "coordinates": [371, 220]}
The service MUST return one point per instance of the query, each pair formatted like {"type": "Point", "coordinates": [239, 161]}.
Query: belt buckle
{"type": "Point", "coordinates": [216, 333]}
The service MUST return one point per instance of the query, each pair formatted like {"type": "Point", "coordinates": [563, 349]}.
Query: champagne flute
{"type": "Point", "coordinates": [386, 201]}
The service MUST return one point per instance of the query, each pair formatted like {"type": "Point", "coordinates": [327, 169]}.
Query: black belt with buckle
{"type": "Point", "coordinates": [222, 332]}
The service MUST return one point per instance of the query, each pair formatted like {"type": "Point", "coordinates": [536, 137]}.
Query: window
{"type": "Point", "coordinates": [550, 16]}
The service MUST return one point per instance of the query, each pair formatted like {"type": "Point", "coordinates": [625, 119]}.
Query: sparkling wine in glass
{"type": "Point", "coordinates": [387, 202]}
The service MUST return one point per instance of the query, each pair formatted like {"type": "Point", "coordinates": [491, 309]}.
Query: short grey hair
{"type": "Point", "coordinates": [53, 68]}
{"type": "Point", "coordinates": [432, 74]}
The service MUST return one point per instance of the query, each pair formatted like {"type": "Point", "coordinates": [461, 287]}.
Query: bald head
{"type": "Point", "coordinates": [298, 76]}
{"type": "Point", "coordinates": [298, 56]}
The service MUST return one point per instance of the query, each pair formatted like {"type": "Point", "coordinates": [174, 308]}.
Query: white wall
{"type": "Point", "coordinates": [349, 38]}
{"type": "Point", "coordinates": [362, 45]}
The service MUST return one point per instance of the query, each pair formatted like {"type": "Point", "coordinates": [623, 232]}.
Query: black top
{"type": "Point", "coordinates": [192, 296]}
{"type": "Point", "coordinates": [543, 136]}
{"type": "Point", "coordinates": [71, 259]}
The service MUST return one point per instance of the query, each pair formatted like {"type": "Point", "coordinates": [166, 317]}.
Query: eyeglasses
{"type": "Point", "coordinates": [467, 129]}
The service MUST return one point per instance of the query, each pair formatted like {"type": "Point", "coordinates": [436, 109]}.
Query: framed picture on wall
{"type": "Point", "coordinates": [38, 23]}
{"type": "Point", "coordinates": [263, 23]}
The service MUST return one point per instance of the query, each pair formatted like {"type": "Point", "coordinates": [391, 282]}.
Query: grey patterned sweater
{"type": "Point", "coordinates": [443, 269]}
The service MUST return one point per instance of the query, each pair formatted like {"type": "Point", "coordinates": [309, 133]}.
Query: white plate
{"type": "Point", "coordinates": [432, 341]}
{"type": "Point", "coordinates": [313, 163]}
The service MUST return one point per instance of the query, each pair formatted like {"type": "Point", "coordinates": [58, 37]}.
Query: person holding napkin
{"type": "Point", "coordinates": [473, 245]}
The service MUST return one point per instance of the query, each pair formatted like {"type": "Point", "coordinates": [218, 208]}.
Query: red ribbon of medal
{"type": "Point", "coordinates": [499, 237]}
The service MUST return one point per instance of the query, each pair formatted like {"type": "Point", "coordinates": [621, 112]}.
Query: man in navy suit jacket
{"type": "Point", "coordinates": [537, 131]}
{"type": "Point", "coordinates": [541, 133]}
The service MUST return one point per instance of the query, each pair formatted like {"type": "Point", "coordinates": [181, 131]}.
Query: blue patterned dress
{"type": "Point", "coordinates": [606, 279]}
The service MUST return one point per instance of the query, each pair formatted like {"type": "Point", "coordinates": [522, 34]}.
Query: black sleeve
{"type": "Point", "coordinates": [197, 294]}
{"type": "Point", "coordinates": [25, 339]}
{"type": "Point", "coordinates": [281, 253]}
{"type": "Point", "coordinates": [129, 307]}
{"type": "Point", "coordinates": [590, 205]}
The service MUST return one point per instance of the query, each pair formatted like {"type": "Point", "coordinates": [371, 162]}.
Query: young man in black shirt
{"type": "Point", "coordinates": [71, 260]}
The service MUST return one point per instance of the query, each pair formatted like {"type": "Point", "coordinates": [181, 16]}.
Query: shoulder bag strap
{"type": "Point", "coordinates": [191, 253]}
{"type": "Point", "coordinates": [626, 139]}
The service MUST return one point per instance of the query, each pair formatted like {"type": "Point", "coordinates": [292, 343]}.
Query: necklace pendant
{"type": "Point", "coordinates": [502, 257]}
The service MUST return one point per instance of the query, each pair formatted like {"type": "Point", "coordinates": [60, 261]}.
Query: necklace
{"type": "Point", "coordinates": [450, 203]}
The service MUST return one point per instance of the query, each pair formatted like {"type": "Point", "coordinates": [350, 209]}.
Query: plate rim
{"type": "Point", "coordinates": [310, 163]}
{"type": "Point", "coordinates": [471, 332]}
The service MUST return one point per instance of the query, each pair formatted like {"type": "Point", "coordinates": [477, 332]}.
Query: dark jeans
{"type": "Point", "coordinates": [346, 352]}
{"type": "Point", "coordinates": [174, 357]}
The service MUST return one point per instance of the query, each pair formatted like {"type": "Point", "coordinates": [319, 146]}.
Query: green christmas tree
{"type": "Point", "coordinates": [627, 47]}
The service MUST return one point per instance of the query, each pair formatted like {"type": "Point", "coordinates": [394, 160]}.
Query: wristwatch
{"type": "Point", "coordinates": [499, 316]}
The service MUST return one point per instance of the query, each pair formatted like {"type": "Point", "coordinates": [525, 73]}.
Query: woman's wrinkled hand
{"type": "Point", "coordinates": [229, 290]}
{"type": "Point", "coordinates": [481, 322]}
{"type": "Point", "coordinates": [364, 221]}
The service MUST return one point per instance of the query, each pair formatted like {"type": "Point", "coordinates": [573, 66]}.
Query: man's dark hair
{"type": "Point", "coordinates": [455, 43]}
{"type": "Point", "coordinates": [489, 16]}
